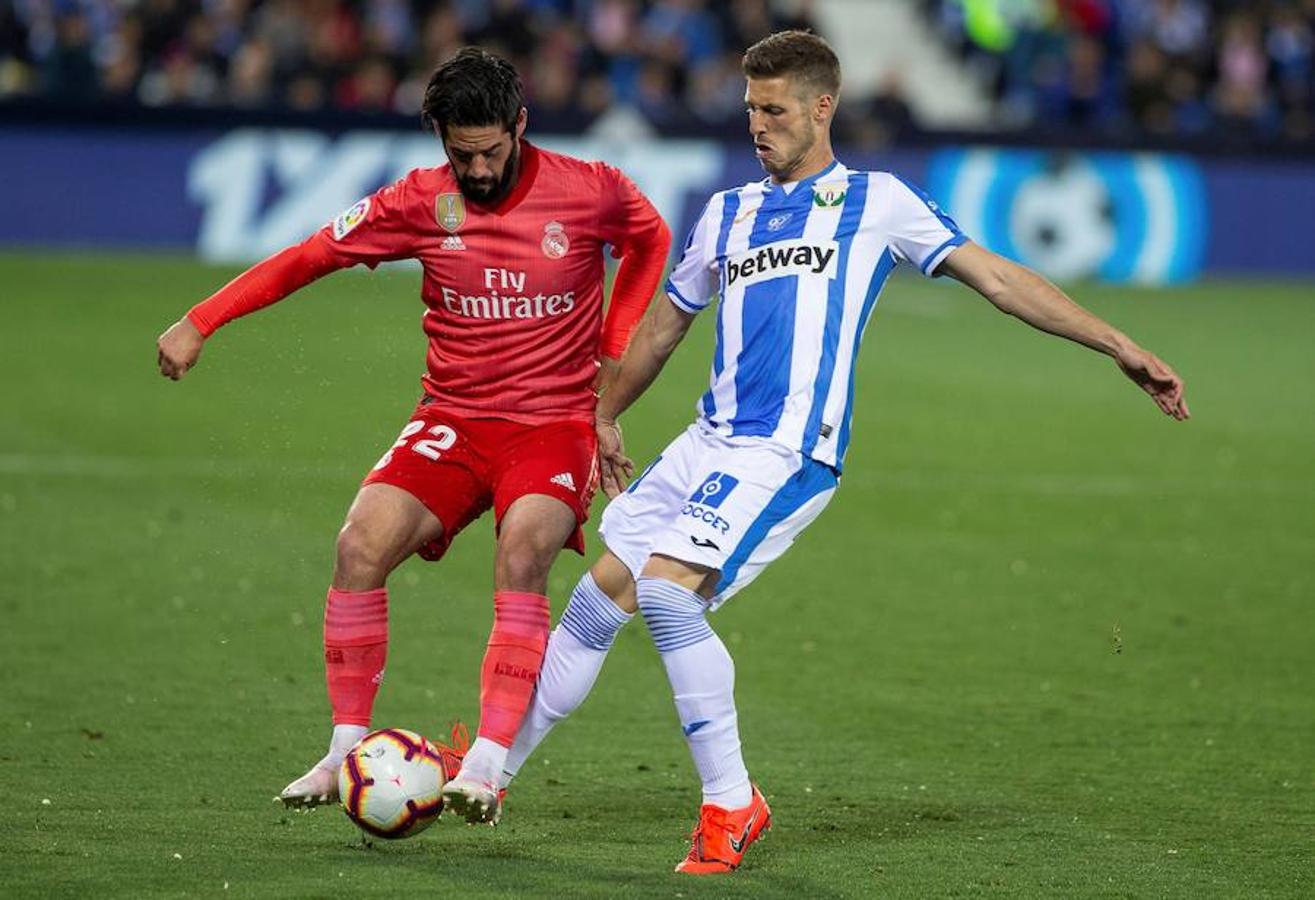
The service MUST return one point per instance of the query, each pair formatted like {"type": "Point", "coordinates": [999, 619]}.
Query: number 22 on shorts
{"type": "Point", "coordinates": [441, 437]}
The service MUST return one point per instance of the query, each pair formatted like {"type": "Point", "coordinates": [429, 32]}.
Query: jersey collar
{"type": "Point", "coordinates": [770, 186]}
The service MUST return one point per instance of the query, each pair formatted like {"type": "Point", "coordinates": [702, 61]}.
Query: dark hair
{"type": "Point", "coordinates": [799, 54]}
{"type": "Point", "coordinates": [474, 87]}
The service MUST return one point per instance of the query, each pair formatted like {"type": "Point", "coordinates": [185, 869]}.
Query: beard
{"type": "Point", "coordinates": [490, 190]}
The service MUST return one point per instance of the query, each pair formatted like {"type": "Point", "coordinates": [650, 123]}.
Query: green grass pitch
{"type": "Point", "coordinates": [1045, 641]}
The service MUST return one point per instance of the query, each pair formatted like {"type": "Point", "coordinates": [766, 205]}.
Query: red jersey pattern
{"type": "Point", "coordinates": [513, 293]}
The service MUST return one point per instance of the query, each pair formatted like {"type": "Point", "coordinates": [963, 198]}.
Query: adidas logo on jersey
{"type": "Point", "coordinates": [780, 259]}
{"type": "Point", "coordinates": [565, 480]}
{"type": "Point", "coordinates": [453, 242]}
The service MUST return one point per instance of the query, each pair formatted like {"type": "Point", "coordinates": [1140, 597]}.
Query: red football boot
{"type": "Point", "coordinates": [722, 835]}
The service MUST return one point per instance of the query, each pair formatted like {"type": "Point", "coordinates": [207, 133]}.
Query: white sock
{"type": "Point", "coordinates": [484, 761]}
{"type": "Point", "coordinates": [344, 738]}
{"type": "Point", "coordinates": [576, 650]}
{"type": "Point", "coordinates": [702, 677]}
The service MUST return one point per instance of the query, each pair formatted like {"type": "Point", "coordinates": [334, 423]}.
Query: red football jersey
{"type": "Point", "coordinates": [514, 293]}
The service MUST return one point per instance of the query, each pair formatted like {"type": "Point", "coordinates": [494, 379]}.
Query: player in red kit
{"type": "Point", "coordinates": [510, 238]}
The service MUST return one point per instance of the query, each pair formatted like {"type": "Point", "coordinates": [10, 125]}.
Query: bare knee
{"type": "Point", "coordinates": [533, 530]}
{"type": "Point", "coordinates": [363, 559]}
{"type": "Point", "coordinates": [614, 579]}
{"type": "Point", "coordinates": [523, 563]}
{"type": "Point", "coordinates": [384, 526]}
{"type": "Point", "coordinates": [700, 579]}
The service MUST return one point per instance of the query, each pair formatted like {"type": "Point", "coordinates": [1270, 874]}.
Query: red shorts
{"type": "Point", "coordinates": [460, 467]}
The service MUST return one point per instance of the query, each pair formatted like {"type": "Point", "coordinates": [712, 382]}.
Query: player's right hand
{"type": "Point", "coordinates": [179, 348]}
{"type": "Point", "coordinates": [1154, 376]}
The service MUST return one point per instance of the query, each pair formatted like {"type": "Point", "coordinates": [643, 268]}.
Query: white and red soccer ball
{"type": "Point", "coordinates": [390, 783]}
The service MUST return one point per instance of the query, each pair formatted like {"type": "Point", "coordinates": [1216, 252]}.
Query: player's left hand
{"type": "Point", "coordinates": [1154, 376]}
{"type": "Point", "coordinates": [614, 467]}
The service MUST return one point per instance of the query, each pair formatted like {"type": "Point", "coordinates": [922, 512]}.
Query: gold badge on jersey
{"type": "Point", "coordinates": [450, 211]}
{"type": "Point", "coordinates": [555, 243]}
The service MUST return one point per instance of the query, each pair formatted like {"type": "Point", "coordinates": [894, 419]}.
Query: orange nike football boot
{"type": "Point", "coordinates": [718, 842]}
{"type": "Point", "coordinates": [452, 755]}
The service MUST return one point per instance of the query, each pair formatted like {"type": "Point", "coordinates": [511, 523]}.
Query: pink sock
{"type": "Point", "coordinates": [511, 663]}
{"type": "Point", "coordinates": [355, 647]}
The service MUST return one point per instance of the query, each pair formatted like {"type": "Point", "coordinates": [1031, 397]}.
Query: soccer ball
{"type": "Point", "coordinates": [390, 783]}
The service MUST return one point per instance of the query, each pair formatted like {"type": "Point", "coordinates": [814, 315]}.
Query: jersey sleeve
{"type": "Point", "coordinates": [920, 231]}
{"type": "Point", "coordinates": [693, 281]}
{"type": "Point", "coordinates": [374, 229]}
{"type": "Point", "coordinates": [267, 282]}
{"type": "Point", "coordinates": [626, 216]}
{"type": "Point", "coordinates": [639, 236]}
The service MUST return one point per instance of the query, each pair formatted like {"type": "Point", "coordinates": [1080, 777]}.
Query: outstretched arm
{"type": "Point", "coordinates": [1022, 293]}
{"type": "Point", "coordinates": [655, 339]}
{"type": "Point", "coordinates": [264, 283]}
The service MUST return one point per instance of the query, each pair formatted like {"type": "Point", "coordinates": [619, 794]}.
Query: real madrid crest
{"type": "Point", "coordinates": [555, 243]}
{"type": "Point", "coordinates": [450, 211]}
{"type": "Point", "coordinates": [828, 195]}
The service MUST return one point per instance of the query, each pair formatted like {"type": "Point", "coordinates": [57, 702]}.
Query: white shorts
{"type": "Point", "coordinates": [733, 504]}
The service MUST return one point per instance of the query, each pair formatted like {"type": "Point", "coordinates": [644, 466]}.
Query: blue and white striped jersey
{"type": "Point", "coordinates": [798, 268]}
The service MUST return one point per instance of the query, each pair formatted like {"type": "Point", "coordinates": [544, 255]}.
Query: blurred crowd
{"type": "Point", "coordinates": [1119, 67]}
{"type": "Point", "coordinates": [666, 58]}
{"type": "Point", "coordinates": [1212, 68]}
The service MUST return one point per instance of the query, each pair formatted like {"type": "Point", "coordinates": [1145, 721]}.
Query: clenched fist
{"type": "Point", "coordinates": [179, 348]}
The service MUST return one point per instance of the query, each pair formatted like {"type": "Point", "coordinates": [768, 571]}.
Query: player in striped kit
{"type": "Point", "coordinates": [798, 260]}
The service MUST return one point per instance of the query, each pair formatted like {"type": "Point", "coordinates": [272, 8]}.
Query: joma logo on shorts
{"type": "Point", "coordinates": [781, 259]}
